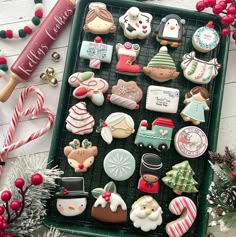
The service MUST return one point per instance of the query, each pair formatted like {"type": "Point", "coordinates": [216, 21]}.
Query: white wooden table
{"type": "Point", "coordinates": [14, 14]}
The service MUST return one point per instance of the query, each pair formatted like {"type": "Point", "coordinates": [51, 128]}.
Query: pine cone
{"type": "Point", "coordinates": [229, 196]}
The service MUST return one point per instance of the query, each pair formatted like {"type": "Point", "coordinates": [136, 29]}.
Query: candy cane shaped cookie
{"type": "Point", "coordinates": [185, 207]}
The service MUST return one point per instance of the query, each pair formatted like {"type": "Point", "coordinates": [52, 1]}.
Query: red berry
{"type": "Point", "coordinates": [108, 194]}
{"type": "Point", "coordinates": [223, 4]}
{"type": "Point", "coordinates": [233, 173]}
{"type": "Point", "coordinates": [6, 196]}
{"type": "Point", "coordinates": [228, 1]}
{"type": "Point", "coordinates": [231, 10]}
{"type": "Point", "coordinates": [4, 225]}
{"type": "Point", "coordinates": [8, 235]}
{"type": "Point", "coordinates": [225, 31]}
{"type": "Point", "coordinates": [209, 3]}
{"type": "Point", "coordinates": [234, 25]}
{"type": "Point", "coordinates": [231, 18]}
{"type": "Point", "coordinates": [200, 6]}
{"type": "Point", "coordinates": [36, 179]}
{"type": "Point", "coordinates": [19, 182]}
{"type": "Point", "coordinates": [217, 9]}
{"type": "Point", "coordinates": [225, 20]}
{"type": "Point", "coordinates": [15, 205]}
{"type": "Point", "coordinates": [2, 209]}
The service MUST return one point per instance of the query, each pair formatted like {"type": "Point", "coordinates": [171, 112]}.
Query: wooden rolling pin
{"type": "Point", "coordinates": [38, 45]}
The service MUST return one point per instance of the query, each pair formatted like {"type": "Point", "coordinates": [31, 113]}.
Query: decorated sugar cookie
{"type": "Point", "coordinates": [116, 125]}
{"type": "Point", "coordinates": [190, 142]}
{"type": "Point", "coordinates": [159, 137]}
{"type": "Point", "coordinates": [136, 24]}
{"type": "Point", "coordinates": [199, 71]}
{"type": "Point", "coordinates": [79, 121]}
{"type": "Point", "coordinates": [146, 213]}
{"type": "Point", "coordinates": [99, 20]}
{"type": "Point", "coordinates": [126, 94]}
{"type": "Point", "coordinates": [71, 199]}
{"type": "Point", "coordinates": [80, 157]}
{"type": "Point", "coordinates": [149, 171]}
{"type": "Point", "coordinates": [127, 54]}
{"type": "Point", "coordinates": [161, 67]}
{"type": "Point", "coordinates": [171, 30]}
{"type": "Point", "coordinates": [196, 101]}
{"type": "Point", "coordinates": [109, 206]}
{"type": "Point", "coordinates": [205, 38]}
{"type": "Point", "coordinates": [87, 85]}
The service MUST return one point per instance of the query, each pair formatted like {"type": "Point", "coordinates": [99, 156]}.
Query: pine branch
{"type": "Point", "coordinates": [224, 176]}
{"type": "Point", "coordinates": [53, 232]}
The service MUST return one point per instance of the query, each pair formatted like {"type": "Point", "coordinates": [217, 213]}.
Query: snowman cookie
{"type": "Point", "coordinates": [171, 30]}
{"type": "Point", "coordinates": [109, 206]}
{"type": "Point", "coordinates": [71, 199]}
{"type": "Point", "coordinates": [136, 24]}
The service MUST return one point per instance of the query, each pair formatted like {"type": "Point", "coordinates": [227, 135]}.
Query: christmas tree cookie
{"type": "Point", "coordinates": [180, 178]}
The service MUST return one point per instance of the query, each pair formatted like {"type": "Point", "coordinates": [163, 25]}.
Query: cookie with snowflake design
{"type": "Point", "coordinates": [119, 164]}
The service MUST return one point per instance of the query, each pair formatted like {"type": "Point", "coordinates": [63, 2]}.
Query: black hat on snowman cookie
{"type": "Point", "coordinates": [72, 187]}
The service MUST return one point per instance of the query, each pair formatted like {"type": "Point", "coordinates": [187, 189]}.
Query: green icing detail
{"type": "Point", "coordinates": [86, 75]}
{"type": "Point", "coordinates": [192, 67]}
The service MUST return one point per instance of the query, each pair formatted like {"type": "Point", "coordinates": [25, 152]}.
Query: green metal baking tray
{"type": "Point", "coordinates": [84, 224]}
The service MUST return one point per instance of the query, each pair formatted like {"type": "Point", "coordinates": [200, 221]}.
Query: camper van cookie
{"type": "Point", "coordinates": [162, 99]}
{"type": "Point", "coordinates": [99, 20]}
{"type": "Point", "coordinates": [127, 54]}
{"type": "Point", "coordinates": [162, 67]}
{"type": "Point", "coordinates": [199, 71]}
{"type": "Point", "coordinates": [196, 101]}
{"type": "Point", "coordinates": [126, 94]}
{"type": "Point", "coordinates": [79, 121]}
{"type": "Point", "coordinates": [205, 38]}
{"type": "Point", "coordinates": [80, 156]}
{"type": "Point", "coordinates": [136, 24]}
{"type": "Point", "coordinates": [116, 125]}
{"type": "Point", "coordinates": [171, 30]}
{"type": "Point", "coordinates": [109, 206]}
{"type": "Point", "coordinates": [146, 213]}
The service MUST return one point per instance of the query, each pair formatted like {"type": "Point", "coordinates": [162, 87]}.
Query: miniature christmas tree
{"type": "Point", "coordinates": [180, 178]}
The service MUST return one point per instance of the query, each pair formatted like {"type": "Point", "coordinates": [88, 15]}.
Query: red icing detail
{"type": "Point", "coordinates": [66, 191]}
{"type": "Point", "coordinates": [38, 13]}
{"type": "Point", "coordinates": [3, 61]}
{"type": "Point", "coordinates": [98, 39]}
{"type": "Point", "coordinates": [137, 24]}
{"type": "Point", "coordinates": [124, 64]}
{"type": "Point", "coordinates": [107, 199]}
{"type": "Point", "coordinates": [81, 166]}
{"type": "Point", "coordinates": [144, 123]}
{"type": "Point", "coordinates": [28, 30]}
{"type": "Point", "coordinates": [108, 96]}
{"type": "Point", "coordinates": [103, 195]}
{"type": "Point", "coordinates": [9, 34]}
{"type": "Point", "coordinates": [104, 124]}
{"type": "Point", "coordinates": [108, 194]}
{"type": "Point", "coordinates": [153, 188]}
{"type": "Point", "coordinates": [82, 91]}
{"type": "Point", "coordinates": [233, 175]}
{"type": "Point", "coordinates": [144, 27]}
{"type": "Point", "coordinates": [163, 122]}
{"type": "Point", "coordinates": [137, 106]}
{"type": "Point", "coordinates": [210, 24]}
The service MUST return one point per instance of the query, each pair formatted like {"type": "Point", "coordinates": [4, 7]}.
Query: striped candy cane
{"type": "Point", "coordinates": [34, 111]}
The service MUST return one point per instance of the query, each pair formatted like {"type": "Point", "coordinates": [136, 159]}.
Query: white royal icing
{"type": "Point", "coordinates": [171, 33]}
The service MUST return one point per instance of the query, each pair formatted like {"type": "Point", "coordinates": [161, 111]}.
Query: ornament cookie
{"type": "Point", "coordinates": [116, 125]}
{"type": "Point", "coordinates": [162, 99]}
{"type": "Point", "coordinates": [149, 171]}
{"type": "Point", "coordinates": [161, 67]}
{"type": "Point", "coordinates": [119, 164]}
{"type": "Point", "coordinates": [109, 206]}
{"type": "Point", "coordinates": [190, 142]}
{"type": "Point", "coordinates": [99, 20]}
{"type": "Point", "coordinates": [146, 213]}
{"type": "Point", "coordinates": [199, 71]}
{"type": "Point", "coordinates": [187, 210]}
{"type": "Point", "coordinates": [136, 24]}
{"type": "Point", "coordinates": [159, 137]}
{"type": "Point", "coordinates": [126, 94]}
{"type": "Point", "coordinates": [180, 178]}
{"type": "Point", "coordinates": [80, 157]}
{"type": "Point", "coordinates": [71, 199]}
{"type": "Point", "coordinates": [196, 101]}
{"type": "Point", "coordinates": [171, 30]}
{"type": "Point", "coordinates": [87, 85]}
{"type": "Point", "coordinates": [205, 38]}
{"type": "Point", "coordinates": [79, 121]}
{"type": "Point", "coordinates": [127, 54]}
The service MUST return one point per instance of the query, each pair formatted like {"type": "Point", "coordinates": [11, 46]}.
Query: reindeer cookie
{"type": "Point", "coordinates": [80, 157]}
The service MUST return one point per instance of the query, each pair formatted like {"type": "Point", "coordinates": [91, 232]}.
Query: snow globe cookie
{"type": "Point", "coordinates": [162, 67]}
{"type": "Point", "coordinates": [146, 213]}
{"type": "Point", "coordinates": [119, 164]}
{"type": "Point", "coordinates": [136, 24]}
{"type": "Point", "coordinates": [71, 199]}
{"type": "Point", "coordinates": [80, 157]}
{"type": "Point", "coordinates": [196, 101]}
{"type": "Point", "coordinates": [171, 30]}
{"type": "Point", "coordinates": [116, 125]}
{"type": "Point", "coordinates": [126, 94]}
{"type": "Point", "coordinates": [79, 120]}
{"type": "Point", "coordinates": [205, 38]}
{"type": "Point", "coordinates": [109, 206]}
{"type": "Point", "coordinates": [99, 20]}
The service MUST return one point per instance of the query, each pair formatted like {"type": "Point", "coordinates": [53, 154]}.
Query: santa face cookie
{"type": "Point", "coordinates": [72, 199]}
{"type": "Point", "coordinates": [80, 157]}
{"type": "Point", "coordinates": [146, 214]}
{"type": "Point", "coordinates": [161, 67]}
{"type": "Point", "coordinates": [205, 38]}
{"type": "Point", "coordinates": [199, 71]}
{"type": "Point", "coordinates": [126, 94]}
{"type": "Point", "coordinates": [99, 20]}
{"type": "Point", "coordinates": [171, 30]}
{"type": "Point", "coordinates": [109, 206]}
{"type": "Point", "coordinates": [136, 24]}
